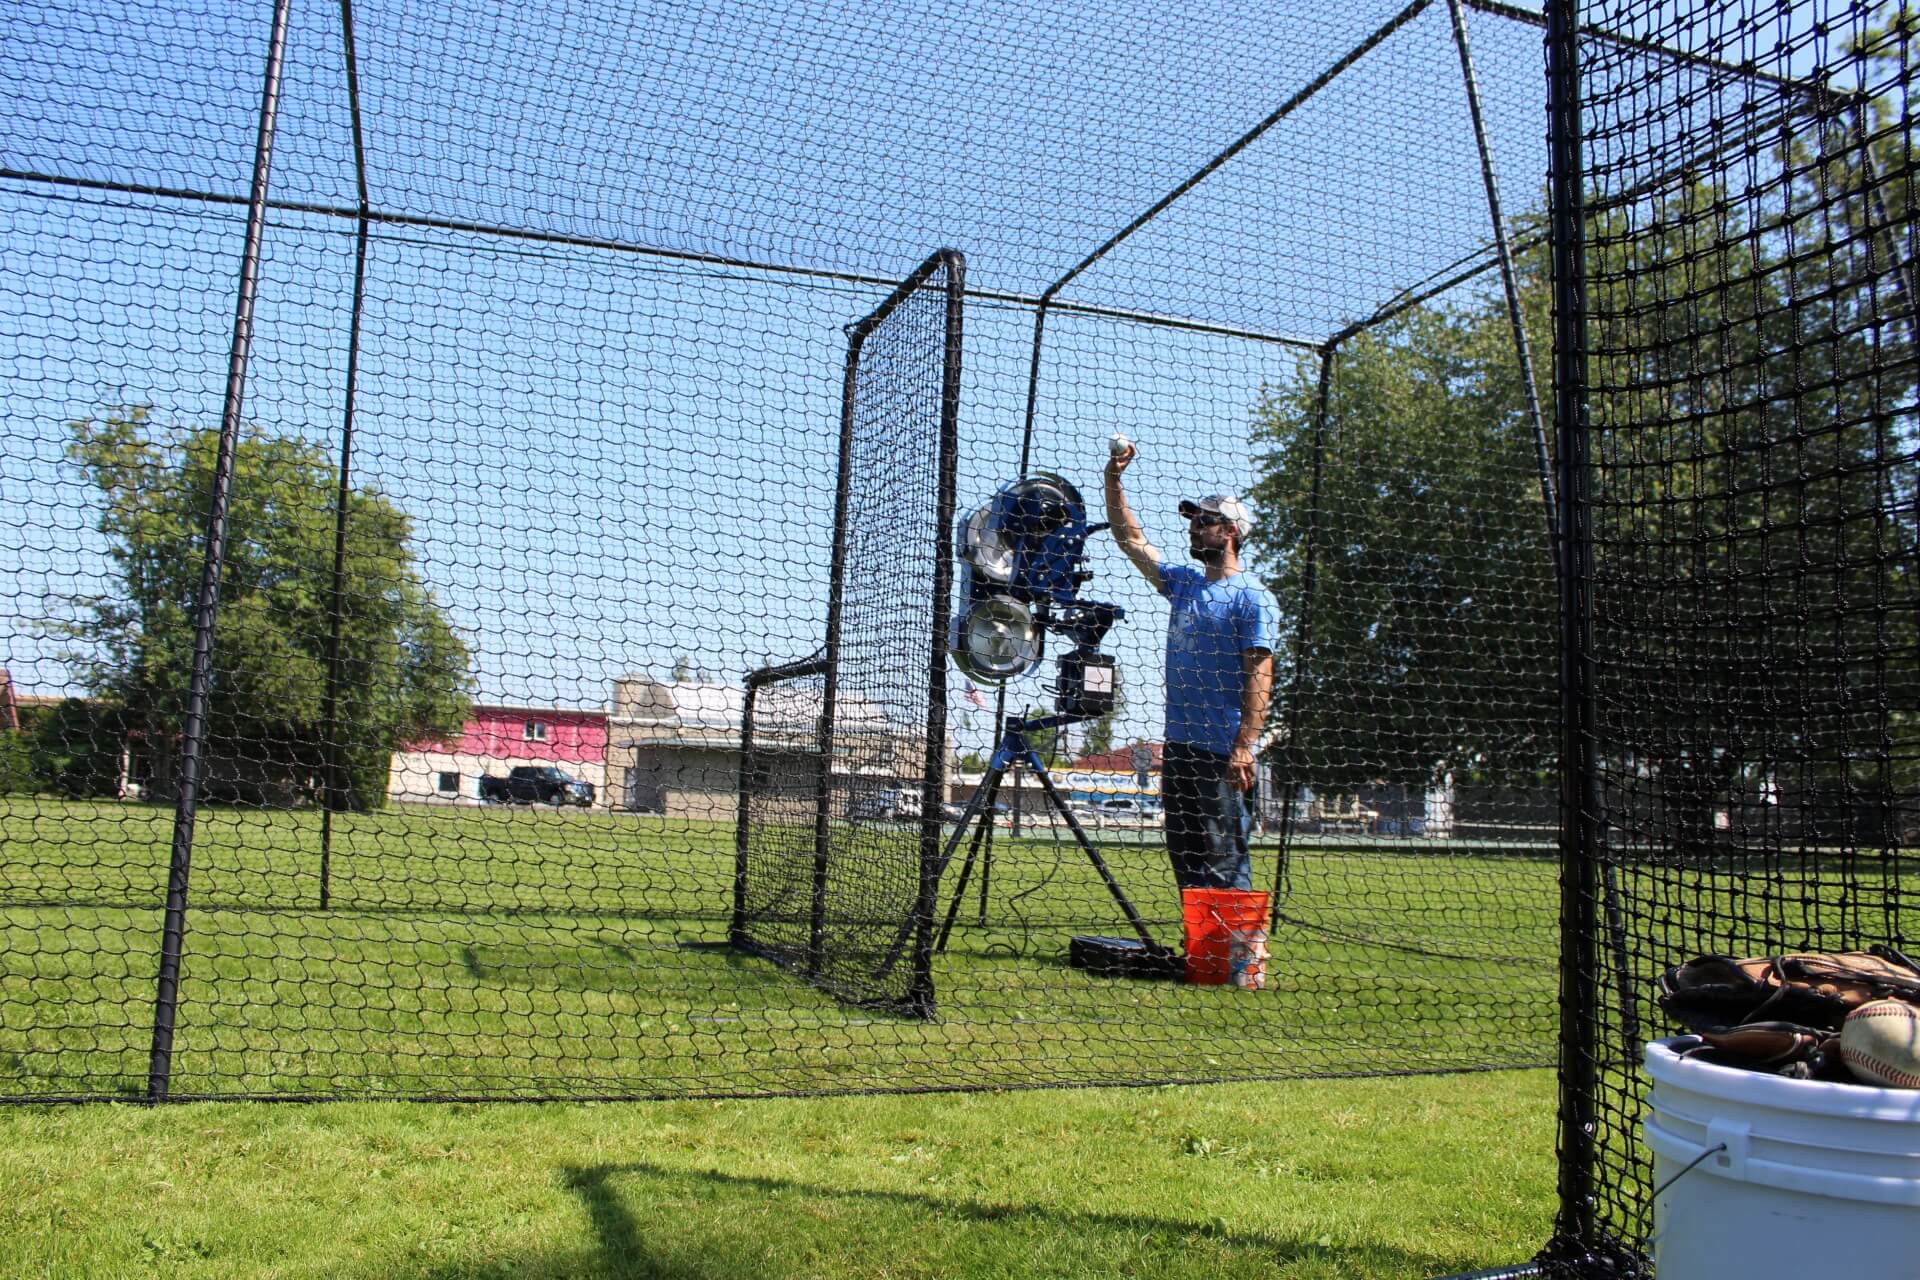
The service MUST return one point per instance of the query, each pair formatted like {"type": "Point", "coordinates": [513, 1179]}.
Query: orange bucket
{"type": "Point", "coordinates": [1226, 936]}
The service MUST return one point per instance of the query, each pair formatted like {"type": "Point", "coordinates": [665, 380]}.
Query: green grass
{"type": "Point", "coordinates": [505, 953]}
{"type": "Point", "coordinates": [1403, 1178]}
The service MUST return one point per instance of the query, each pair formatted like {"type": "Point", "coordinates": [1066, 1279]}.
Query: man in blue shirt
{"type": "Point", "coordinates": [1220, 643]}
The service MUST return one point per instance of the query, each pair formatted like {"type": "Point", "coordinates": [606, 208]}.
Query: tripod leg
{"type": "Point", "coordinates": [960, 889]}
{"type": "Point", "coordinates": [1093, 855]}
{"type": "Point", "coordinates": [966, 868]}
{"type": "Point", "coordinates": [893, 952]}
{"type": "Point", "coordinates": [986, 864]}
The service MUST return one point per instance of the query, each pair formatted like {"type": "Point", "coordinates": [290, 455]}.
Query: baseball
{"type": "Point", "coordinates": [1880, 1043]}
{"type": "Point", "coordinates": [1118, 445]}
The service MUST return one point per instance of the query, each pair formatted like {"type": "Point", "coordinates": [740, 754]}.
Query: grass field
{"type": "Point", "coordinates": [1306, 1180]}
{"type": "Point", "coordinates": [538, 953]}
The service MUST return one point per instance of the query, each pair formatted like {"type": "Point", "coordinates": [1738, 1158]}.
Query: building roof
{"type": "Point", "coordinates": [521, 709]}
{"type": "Point", "coordinates": [649, 712]}
{"type": "Point", "coordinates": [1118, 761]}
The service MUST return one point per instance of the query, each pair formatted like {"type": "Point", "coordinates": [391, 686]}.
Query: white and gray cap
{"type": "Point", "coordinates": [1221, 504]}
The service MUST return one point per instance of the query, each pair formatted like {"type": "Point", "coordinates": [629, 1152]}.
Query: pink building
{"type": "Point", "coordinates": [496, 739]}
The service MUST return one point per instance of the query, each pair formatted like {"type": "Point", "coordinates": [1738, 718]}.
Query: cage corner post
{"type": "Point", "coordinates": [207, 598]}
{"type": "Point", "coordinates": [335, 788]}
{"type": "Point", "coordinates": [1575, 1222]}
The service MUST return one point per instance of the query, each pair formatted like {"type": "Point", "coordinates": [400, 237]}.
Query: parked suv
{"type": "Point", "coordinates": [536, 784]}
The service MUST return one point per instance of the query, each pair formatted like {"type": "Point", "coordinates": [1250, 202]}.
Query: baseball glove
{"type": "Point", "coordinates": [1783, 1013]}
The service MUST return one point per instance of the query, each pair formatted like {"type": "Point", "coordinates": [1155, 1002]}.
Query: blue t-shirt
{"type": "Point", "coordinates": [1213, 623]}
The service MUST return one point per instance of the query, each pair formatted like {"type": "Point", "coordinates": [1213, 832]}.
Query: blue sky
{"type": "Point", "coordinates": [611, 459]}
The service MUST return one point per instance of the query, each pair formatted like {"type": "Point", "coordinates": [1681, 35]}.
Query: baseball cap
{"type": "Point", "coordinates": [1221, 504]}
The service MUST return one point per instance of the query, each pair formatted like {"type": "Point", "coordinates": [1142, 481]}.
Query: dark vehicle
{"type": "Point", "coordinates": [536, 784]}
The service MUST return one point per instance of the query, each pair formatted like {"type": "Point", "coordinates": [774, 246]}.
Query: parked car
{"type": "Point", "coordinates": [885, 806]}
{"type": "Point", "coordinates": [895, 806]}
{"type": "Point", "coordinates": [536, 784]}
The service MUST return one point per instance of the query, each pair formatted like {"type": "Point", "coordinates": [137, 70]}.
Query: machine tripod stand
{"type": "Point", "coordinates": [1016, 747]}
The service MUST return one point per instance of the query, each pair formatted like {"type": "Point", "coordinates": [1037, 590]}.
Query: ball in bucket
{"type": "Point", "coordinates": [1880, 1043]}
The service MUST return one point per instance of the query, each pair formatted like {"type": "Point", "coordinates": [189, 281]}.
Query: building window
{"type": "Point", "coordinates": [450, 783]}
{"type": "Point", "coordinates": [535, 731]}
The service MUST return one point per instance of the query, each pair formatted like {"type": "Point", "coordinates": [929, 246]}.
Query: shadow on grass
{"type": "Point", "coordinates": [654, 1223]}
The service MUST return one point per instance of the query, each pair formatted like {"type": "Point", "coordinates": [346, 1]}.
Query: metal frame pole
{"type": "Point", "coordinates": [1579, 836]}
{"type": "Point", "coordinates": [1509, 278]}
{"type": "Point", "coordinates": [207, 602]}
{"type": "Point", "coordinates": [823, 797]}
{"type": "Point", "coordinates": [934, 789]}
{"type": "Point", "coordinates": [1303, 634]}
{"type": "Point", "coordinates": [1543, 462]}
{"type": "Point", "coordinates": [330, 715]}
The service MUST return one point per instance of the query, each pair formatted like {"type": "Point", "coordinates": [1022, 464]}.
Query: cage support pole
{"type": "Point", "coordinates": [743, 815]}
{"type": "Point", "coordinates": [823, 797]}
{"type": "Point", "coordinates": [1543, 463]}
{"type": "Point", "coordinates": [330, 715]}
{"type": "Point", "coordinates": [1509, 277]}
{"type": "Point", "coordinates": [1579, 783]}
{"type": "Point", "coordinates": [1303, 636]}
{"type": "Point", "coordinates": [207, 602]}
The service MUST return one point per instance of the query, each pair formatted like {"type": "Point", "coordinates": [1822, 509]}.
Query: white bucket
{"type": "Point", "coordinates": [1816, 1179]}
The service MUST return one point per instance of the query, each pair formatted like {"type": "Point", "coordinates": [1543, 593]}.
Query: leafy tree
{"type": "Point", "coordinates": [1099, 739]}
{"type": "Point", "coordinates": [17, 777]}
{"type": "Point", "coordinates": [403, 672]}
{"type": "Point", "coordinates": [1756, 361]}
{"type": "Point", "coordinates": [1750, 367]}
{"type": "Point", "coordinates": [75, 747]}
{"type": "Point", "coordinates": [1431, 645]}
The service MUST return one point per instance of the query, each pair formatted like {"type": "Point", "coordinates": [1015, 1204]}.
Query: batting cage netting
{"type": "Point", "coordinates": [1741, 354]}
{"type": "Point", "coordinates": [508, 362]}
{"type": "Point", "coordinates": [523, 579]}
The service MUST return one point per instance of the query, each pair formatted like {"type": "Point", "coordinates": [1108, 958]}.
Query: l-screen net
{"type": "Point", "coordinates": [879, 760]}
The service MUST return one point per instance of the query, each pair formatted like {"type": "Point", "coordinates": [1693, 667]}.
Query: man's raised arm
{"type": "Point", "coordinates": [1126, 529]}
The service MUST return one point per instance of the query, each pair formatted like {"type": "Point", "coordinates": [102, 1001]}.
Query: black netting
{"type": "Point", "coordinates": [514, 391]}
{"type": "Point", "coordinates": [492, 781]}
{"type": "Point", "coordinates": [779, 859]}
{"type": "Point", "coordinates": [1749, 785]}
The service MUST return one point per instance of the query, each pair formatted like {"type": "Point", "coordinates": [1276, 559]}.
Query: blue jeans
{"type": "Point", "coordinates": [1208, 821]}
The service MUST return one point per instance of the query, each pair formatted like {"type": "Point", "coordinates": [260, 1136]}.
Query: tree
{"type": "Point", "coordinates": [1431, 639]}
{"type": "Point", "coordinates": [76, 747]}
{"type": "Point", "coordinates": [1100, 732]}
{"type": "Point", "coordinates": [1045, 742]}
{"type": "Point", "coordinates": [17, 777]}
{"type": "Point", "coordinates": [402, 669]}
